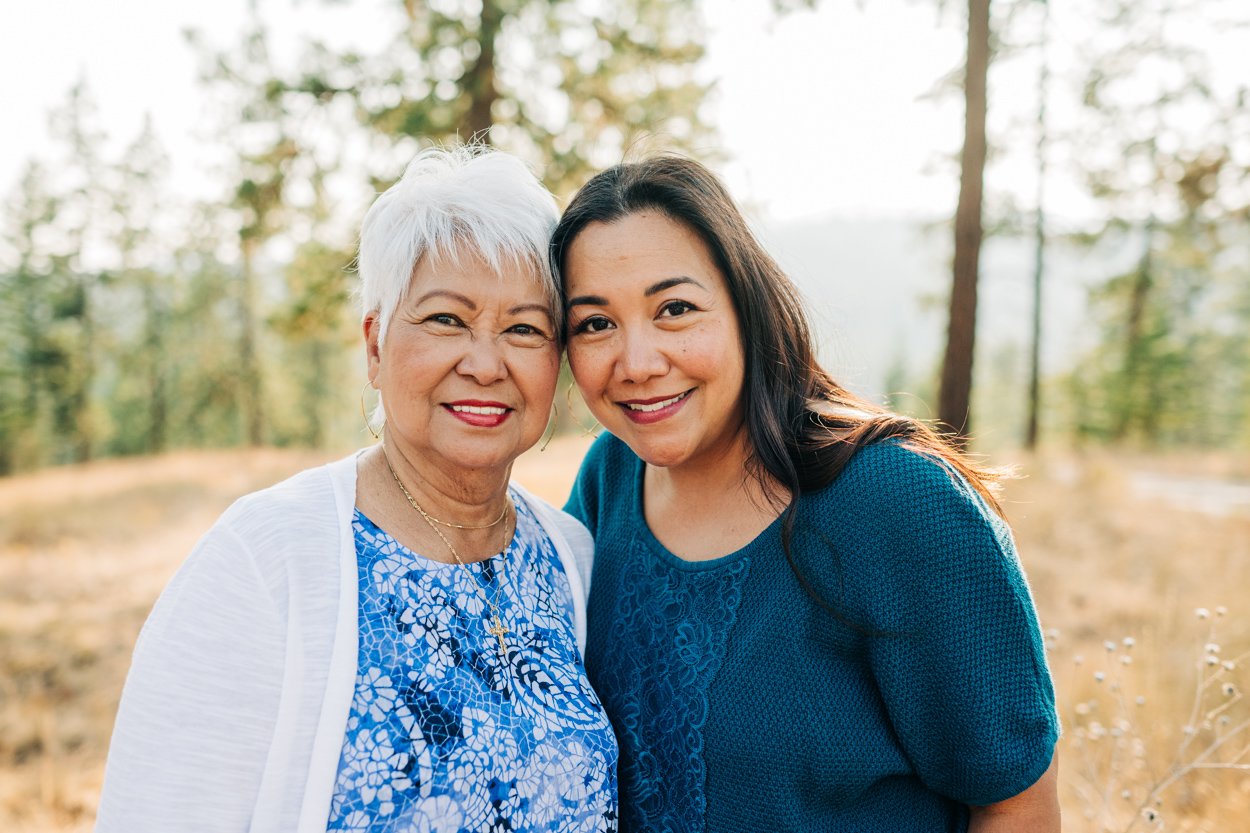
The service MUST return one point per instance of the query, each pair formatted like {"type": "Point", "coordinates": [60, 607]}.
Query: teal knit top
{"type": "Point", "coordinates": [740, 704]}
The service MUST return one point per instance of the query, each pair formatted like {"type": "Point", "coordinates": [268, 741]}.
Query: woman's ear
{"type": "Point", "coordinates": [373, 354]}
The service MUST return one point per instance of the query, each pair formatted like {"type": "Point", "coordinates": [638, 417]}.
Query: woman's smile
{"type": "Point", "coordinates": [478, 413]}
{"type": "Point", "coordinates": [650, 411]}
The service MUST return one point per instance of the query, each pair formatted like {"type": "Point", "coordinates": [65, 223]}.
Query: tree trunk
{"type": "Point", "coordinates": [479, 79]}
{"type": "Point", "coordinates": [253, 407]}
{"type": "Point", "coordinates": [1032, 428]}
{"type": "Point", "coordinates": [28, 427]}
{"type": "Point", "coordinates": [84, 418]}
{"type": "Point", "coordinates": [155, 325]}
{"type": "Point", "coordinates": [956, 387]}
{"type": "Point", "coordinates": [317, 393]}
{"type": "Point", "coordinates": [1139, 299]}
{"type": "Point", "coordinates": [32, 337]}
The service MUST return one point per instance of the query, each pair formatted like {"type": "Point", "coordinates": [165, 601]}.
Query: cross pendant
{"type": "Point", "coordinates": [497, 630]}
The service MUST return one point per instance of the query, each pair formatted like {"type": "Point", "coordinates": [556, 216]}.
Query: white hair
{"type": "Point", "coordinates": [448, 200]}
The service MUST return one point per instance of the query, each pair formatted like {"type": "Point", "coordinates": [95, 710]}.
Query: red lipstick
{"type": "Point", "coordinates": [656, 409]}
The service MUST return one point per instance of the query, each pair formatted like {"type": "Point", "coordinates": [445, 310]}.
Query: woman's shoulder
{"type": "Point", "coordinates": [270, 548]}
{"type": "Point", "coordinates": [905, 525]}
{"type": "Point", "coordinates": [893, 497]}
{"type": "Point", "coordinates": [299, 506]}
{"type": "Point", "coordinates": [891, 474]}
{"type": "Point", "coordinates": [551, 516]}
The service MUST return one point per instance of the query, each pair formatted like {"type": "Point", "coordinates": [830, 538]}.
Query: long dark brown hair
{"type": "Point", "coordinates": [803, 426]}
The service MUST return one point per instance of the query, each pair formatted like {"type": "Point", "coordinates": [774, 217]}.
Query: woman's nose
{"type": "Point", "coordinates": [641, 358]}
{"type": "Point", "coordinates": [483, 362]}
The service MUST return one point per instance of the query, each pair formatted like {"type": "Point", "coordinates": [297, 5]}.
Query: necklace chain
{"type": "Point", "coordinates": [430, 519]}
{"type": "Point", "coordinates": [496, 628]}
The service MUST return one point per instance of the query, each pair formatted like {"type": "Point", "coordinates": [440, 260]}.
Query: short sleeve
{"type": "Point", "coordinates": [198, 710]}
{"type": "Point", "coordinates": [961, 668]}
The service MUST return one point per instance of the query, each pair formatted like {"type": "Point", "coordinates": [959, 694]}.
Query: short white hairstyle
{"type": "Point", "coordinates": [449, 200]}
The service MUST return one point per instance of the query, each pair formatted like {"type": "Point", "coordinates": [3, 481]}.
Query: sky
{"type": "Point", "coordinates": [817, 112]}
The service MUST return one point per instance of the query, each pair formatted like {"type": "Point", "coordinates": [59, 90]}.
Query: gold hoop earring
{"type": "Point", "coordinates": [551, 426]}
{"type": "Point", "coordinates": [364, 414]}
{"type": "Point", "coordinates": [587, 430]}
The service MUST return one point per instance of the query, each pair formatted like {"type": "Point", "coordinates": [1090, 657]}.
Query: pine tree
{"type": "Point", "coordinates": [27, 357]}
{"type": "Point", "coordinates": [140, 395]}
{"type": "Point", "coordinates": [572, 87]}
{"type": "Point", "coordinates": [1158, 154]}
{"type": "Point", "coordinates": [268, 151]}
{"type": "Point", "coordinates": [74, 329]}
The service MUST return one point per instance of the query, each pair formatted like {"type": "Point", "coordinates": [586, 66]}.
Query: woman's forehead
{"type": "Point", "coordinates": [467, 271]}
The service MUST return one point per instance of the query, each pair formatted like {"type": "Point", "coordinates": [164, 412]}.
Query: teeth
{"type": "Point", "coordinates": [655, 406]}
{"type": "Point", "coordinates": [474, 409]}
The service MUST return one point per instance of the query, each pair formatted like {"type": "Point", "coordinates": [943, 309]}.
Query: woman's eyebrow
{"type": "Point", "coordinates": [591, 300]}
{"type": "Point", "coordinates": [520, 308]}
{"type": "Point", "coordinates": [528, 308]}
{"type": "Point", "coordinates": [446, 293]}
{"type": "Point", "coordinates": [669, 283]}
{"type": "Point", "coordinates": [653, 289]}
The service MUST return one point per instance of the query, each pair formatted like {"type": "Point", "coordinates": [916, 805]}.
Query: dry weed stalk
{"type": "Point", "coordinates": [1117, 779]}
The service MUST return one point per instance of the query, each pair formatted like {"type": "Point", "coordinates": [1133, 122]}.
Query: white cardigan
{"type": "Point", "coordinates": [234, 710]}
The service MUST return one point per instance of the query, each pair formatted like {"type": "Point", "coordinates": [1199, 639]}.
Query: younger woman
{"type": "Point", "coordinates": [807, 612]}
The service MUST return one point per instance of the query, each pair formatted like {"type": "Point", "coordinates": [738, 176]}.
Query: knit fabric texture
{"type": "Point", "coordinates": [741, 704]}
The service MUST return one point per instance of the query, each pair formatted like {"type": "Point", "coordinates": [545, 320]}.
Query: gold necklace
{"type": "Point", "coordinates": [431, 519]}
{"type": "Point", "coordinates": [496, 627]}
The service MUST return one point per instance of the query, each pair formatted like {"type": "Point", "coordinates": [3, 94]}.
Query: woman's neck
{"type": "Point", "coordinates": [721, 476]}
{"type": "Point", "coordinates": [462, 496]}
{"type": "Point", "coordinates": [709, 510]}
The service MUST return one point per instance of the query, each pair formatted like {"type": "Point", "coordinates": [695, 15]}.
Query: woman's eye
{"type": "Point", "coordinates": [592, 324]}
{"type": "Point", "coordinates": [675, 308]}
{"type": "Point", "coordinates": [527, 330]}
{"type": "Point", "coordinates": [444, 318]}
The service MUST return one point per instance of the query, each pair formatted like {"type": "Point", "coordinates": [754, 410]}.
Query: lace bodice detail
{"type": "Point", "coordinates": [669, 629]}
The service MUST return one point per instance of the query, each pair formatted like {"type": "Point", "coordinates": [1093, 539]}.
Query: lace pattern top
{"type": "Point", "coordinates": [445, 735]}
{"type": "Point", "coordinates": [670, 623]}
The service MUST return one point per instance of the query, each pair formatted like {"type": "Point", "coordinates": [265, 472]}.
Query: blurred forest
{"type": "Point", "coordinates": [133, 321]}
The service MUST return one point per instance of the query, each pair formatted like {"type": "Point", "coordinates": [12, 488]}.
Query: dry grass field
{"type": "Point", "coordinates": [1117, 548]}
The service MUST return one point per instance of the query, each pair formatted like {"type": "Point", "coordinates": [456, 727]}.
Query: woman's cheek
{"type": "Point", "coordinates": [585, 367]}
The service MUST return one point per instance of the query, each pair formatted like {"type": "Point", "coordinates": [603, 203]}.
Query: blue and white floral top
{"type": "Point", "coordinates": [441, 735]}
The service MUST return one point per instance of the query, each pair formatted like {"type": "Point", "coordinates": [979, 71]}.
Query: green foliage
{"type": "Point", "coordinates": [1170, 364]}
{"type": "Point", "coordinates": [317, 333]}
{"type": "Point", "coordinates": [24, 315]}
{"type": "Point", "coordinates": [132, 322]}
{"type": "Point", "coordinates": [569, 85]}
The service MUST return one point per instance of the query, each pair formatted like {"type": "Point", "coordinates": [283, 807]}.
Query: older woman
{"type": "Point", "coordinates": [392, 641]}
{"type": "Point", "coordinates": [807, 613]}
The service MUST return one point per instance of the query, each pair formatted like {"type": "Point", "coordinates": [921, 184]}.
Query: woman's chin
{"type": "Point", "coordinates": [660, 455]}
{"type": "Point", "coordinates": [471, 456]}
{"type": "Point", "coordinates": [484, 460]}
